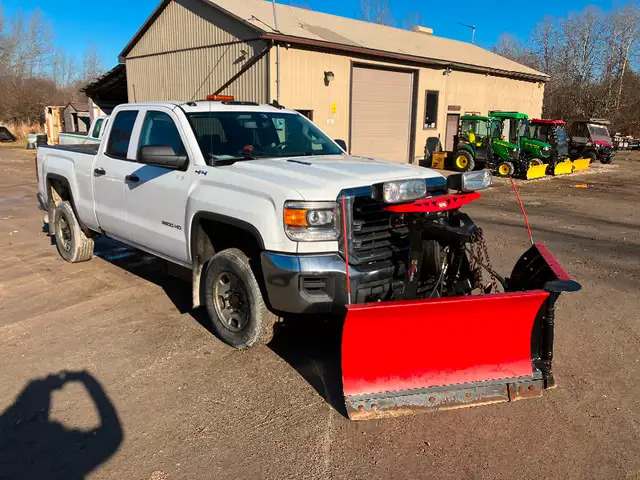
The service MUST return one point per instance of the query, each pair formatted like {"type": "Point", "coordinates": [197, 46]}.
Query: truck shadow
{"type": "Point", "coordinates": [32, 445]}
{"type": "Point", "coordinates": [311, 346]}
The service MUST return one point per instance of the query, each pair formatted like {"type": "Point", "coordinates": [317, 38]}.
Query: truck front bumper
{"type": "Point", "coordinates": [316, 284]}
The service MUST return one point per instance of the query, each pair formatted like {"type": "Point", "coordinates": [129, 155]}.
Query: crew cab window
{"type": "Point", "coordinates": [159, 129]}
{"type": "Point", "coordinates": [256, 135]}
{"type": "Point", "coordinates": [120, 135]}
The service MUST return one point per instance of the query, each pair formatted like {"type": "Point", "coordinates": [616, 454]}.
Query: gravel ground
{"type": "Point", "coordinates": [150, 393]}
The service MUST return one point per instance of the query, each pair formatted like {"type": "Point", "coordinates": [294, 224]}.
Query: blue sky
{"type": "Point", "coordinates": [109, 25]}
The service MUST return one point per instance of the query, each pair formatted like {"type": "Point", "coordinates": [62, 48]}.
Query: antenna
{"type": "Point", "coordinates": [473, 31]}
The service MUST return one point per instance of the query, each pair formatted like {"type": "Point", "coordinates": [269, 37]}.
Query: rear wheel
{"type": "Point", "coordinates": [73, 245]}
{"type": "Point", "coordinates": [505, 169]}
{"type": "Point", "coordinates": [463, 161]}
{"type": "Point", "coordinates": [234, 301]}
{"type": "Point", "coordinates": [535, 162]}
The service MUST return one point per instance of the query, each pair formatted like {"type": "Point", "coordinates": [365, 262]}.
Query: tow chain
{"type": "Point", "coordinates": [480, 261]}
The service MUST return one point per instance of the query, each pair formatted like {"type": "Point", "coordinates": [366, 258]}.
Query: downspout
{"type": "Point", "coordinates": [275, 25]}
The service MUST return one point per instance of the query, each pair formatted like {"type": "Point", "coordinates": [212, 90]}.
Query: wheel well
{"type": "Point", "coordinates": [59, 190]}
{"type": "Point", "coordinates": [211, 234]}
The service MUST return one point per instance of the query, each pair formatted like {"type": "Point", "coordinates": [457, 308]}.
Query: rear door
{"type": "Point", "coordinates": [156, 197]}
{"type": "Point", "coordinates": [112, 165]}
{"type": "Point", "coordinates": [452, 131]}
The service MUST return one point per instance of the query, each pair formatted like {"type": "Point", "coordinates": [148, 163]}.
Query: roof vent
{"type": "Point", "coordinates": [421, 29]}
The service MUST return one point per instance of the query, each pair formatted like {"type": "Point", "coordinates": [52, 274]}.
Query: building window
{"type": "Point", "coordinates": [431, 109]}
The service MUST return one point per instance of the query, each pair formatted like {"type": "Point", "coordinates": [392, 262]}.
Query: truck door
{"type": "Point", "coordinates": [156, 197]}
{"type": "Point", "coordinates": [111, 168]}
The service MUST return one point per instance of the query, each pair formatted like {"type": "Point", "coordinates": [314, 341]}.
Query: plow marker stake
{"type": "Point", "coordinates": [398, 357]}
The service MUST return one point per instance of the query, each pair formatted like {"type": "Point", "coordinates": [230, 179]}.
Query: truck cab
{"type": "Point", "coordinates": [591, 139]}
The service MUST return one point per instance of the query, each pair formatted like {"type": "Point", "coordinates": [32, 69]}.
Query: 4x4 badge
{"type": "Point", "coordinates": [201, 172]}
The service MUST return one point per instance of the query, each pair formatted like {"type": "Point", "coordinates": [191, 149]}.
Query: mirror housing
{"type": "Point", "coordinates": [162, 156]}
{"type": "Point", "coordinates": [342, 144]}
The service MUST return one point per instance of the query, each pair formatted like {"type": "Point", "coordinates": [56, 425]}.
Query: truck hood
{"type": "Point", "coordinates": [324, 177]}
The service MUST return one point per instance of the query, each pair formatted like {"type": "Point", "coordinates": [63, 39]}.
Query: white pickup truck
{"type": "Point", "coordinates": [93, 136]}
{"type": "Point", "coordinates": [254, 199]}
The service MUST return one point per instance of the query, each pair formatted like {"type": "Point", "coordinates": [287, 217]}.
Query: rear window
{"type": "Point", "coordinates": [120, 135]}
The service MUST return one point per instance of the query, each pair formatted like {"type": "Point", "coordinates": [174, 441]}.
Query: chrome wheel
{"type": "Point", "coordinates": [231, 301]}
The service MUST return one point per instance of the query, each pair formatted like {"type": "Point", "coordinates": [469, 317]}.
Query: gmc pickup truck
{"type": "Point", "coordinates": [274, 219]}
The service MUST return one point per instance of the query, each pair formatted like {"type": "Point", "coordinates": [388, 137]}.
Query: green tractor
{"type": "Point", "coordinates": [533, 154]}
{"type": "Point", "coordinates": [479, 143]}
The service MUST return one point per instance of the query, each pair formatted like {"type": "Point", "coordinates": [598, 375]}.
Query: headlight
{"type": "Point", "coordinates": [546, 150]}
{"type": "Point", "coordinates": [404, 190]}
{"type": "Point", "coordinates": [310, 221]}
{"type": "Point", "coordinates": [469, 181]}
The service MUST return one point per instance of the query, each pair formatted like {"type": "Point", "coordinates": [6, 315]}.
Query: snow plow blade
{"type": "Point", "coordinates": [563, 168]}
{"type": "Point", "coordinates": [581, 164]}
{"type": "Point", "coordinates": [537, 171]}
{"type": "Point", "coordinates": [407, 356]}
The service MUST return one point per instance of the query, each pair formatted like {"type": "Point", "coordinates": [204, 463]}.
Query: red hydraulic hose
{"type": "Point", "coordinates": [522, 209]}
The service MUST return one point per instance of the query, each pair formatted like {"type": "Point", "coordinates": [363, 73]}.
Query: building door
{"type": "Point", "coordinates": [452, 130]}
{"type": "Point", "coordinates": [381, 113]}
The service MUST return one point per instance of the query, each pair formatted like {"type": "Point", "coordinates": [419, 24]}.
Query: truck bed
{"type": "Point", "coordinates": [87, 148]}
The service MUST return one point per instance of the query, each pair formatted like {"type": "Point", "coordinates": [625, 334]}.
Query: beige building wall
{"type": "Point", "coordinates": [303, 88]}
{"type": "Point", "coordinates": [190, 51]}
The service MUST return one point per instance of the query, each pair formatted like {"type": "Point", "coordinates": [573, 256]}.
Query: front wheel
{"type": "Point", "coordinates": [234, 301]}
{"type": "Point", "coordinates": [463, 161]}
{"type": "Point", "coordinates": [505, 169]}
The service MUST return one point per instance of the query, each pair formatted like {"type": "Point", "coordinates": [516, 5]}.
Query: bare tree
{"type": "Point", "coordinates": [91, 65]}
{"type": "Point", "coordinates": [376, 11]}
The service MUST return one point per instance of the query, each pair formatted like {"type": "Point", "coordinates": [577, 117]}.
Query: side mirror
{"type": "Point", "coordinates": [342, 144]}
{"type": "Point", "coordinates": [162, 156]}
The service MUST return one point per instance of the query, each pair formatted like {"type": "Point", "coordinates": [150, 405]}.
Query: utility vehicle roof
{"type": "Point", "coordinates": [540, 121]}
{"type": "Point", "coordinates": [475, 117]}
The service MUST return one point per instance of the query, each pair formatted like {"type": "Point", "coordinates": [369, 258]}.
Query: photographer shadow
{"type": "Point", "coordinates": [34, 446]}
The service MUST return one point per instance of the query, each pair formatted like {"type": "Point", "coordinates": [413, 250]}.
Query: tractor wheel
{"type": "Point", "coordinates": [505, 169]}
{"type": "Point", "coordinates": [463, 161]}
{"type": "Point", "coordinates": [535, 162]}
{"type": "Point", "coordinates": [591, 156]}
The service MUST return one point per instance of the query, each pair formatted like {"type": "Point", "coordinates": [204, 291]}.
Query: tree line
{"type": "Point", "coordinates": [592, 58]}
{"type": "Point", "coordinates": [34, 73]}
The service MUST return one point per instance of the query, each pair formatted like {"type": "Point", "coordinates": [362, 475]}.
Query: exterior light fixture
{"type": "Point", "coordinates": [447, 71]}
{"type": "Point", "coordinates": [328, 78]}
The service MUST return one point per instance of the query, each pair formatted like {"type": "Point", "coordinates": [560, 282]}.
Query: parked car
{"type": "Point", "coordinates": [274, 219]}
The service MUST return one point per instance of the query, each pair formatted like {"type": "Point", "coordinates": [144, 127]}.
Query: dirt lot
{"type": "Point", "coordinates": [176, 403]}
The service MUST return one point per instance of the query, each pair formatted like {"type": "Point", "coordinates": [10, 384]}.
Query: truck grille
{"type": "Point", "coordinates": [373, 239]}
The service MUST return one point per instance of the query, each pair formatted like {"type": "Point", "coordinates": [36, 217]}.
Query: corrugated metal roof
{"type": "Point", "coordinates": [316, 28]}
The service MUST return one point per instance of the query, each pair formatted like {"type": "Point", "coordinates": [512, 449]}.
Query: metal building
{"type": "Point", "coordinates": [383, 90]}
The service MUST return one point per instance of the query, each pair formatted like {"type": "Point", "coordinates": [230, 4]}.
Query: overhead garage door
{"type": "Point", "coordinates": [381, 111]}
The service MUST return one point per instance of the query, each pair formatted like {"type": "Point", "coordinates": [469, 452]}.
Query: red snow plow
{"type": "Point", "coordinates": [440, 337]}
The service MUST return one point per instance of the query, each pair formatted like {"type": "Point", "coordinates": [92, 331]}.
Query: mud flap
{"type": "Point", "coordinates": [436, 354]}
{"type": "Point", "coordinates": [581, 164]}
{"type": "Point", "coordinates": [563, 168]}
{"type": "Point", "coordinates": [537, 171]}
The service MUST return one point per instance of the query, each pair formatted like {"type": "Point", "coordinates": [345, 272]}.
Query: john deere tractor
{"type": "Point", "coordinates": [534, 155]}
{"type": "Point", "coordinates": [479, 143]}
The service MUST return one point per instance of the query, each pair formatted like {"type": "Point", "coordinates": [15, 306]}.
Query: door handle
{"type": "Point", "coordinates": [132, 178]}
{"type": "Point", "coordinates": [98, 172]}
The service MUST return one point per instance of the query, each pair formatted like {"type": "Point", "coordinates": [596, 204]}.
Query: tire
{"type": "Point", "coordinates": [463, 161]}
{"type": "Point", "coordinates": [505, 169]}
{"type": "Point", "coordinates": [535, 161]}
{"type": "Point", "coordinates": [592, 156]}
{"type": "Point", "coordinates": [73, 245]}
{"type": "Point", "coordinates": [234, 301]}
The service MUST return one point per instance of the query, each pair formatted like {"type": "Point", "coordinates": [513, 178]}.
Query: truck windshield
{"type": "Point", "coordinates": [599, 132]}
{"type": "Point", "coordinates": [255, 135]}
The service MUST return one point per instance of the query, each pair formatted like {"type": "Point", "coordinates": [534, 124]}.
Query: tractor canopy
{"type": "Point", "coordinates": [552, 132]}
